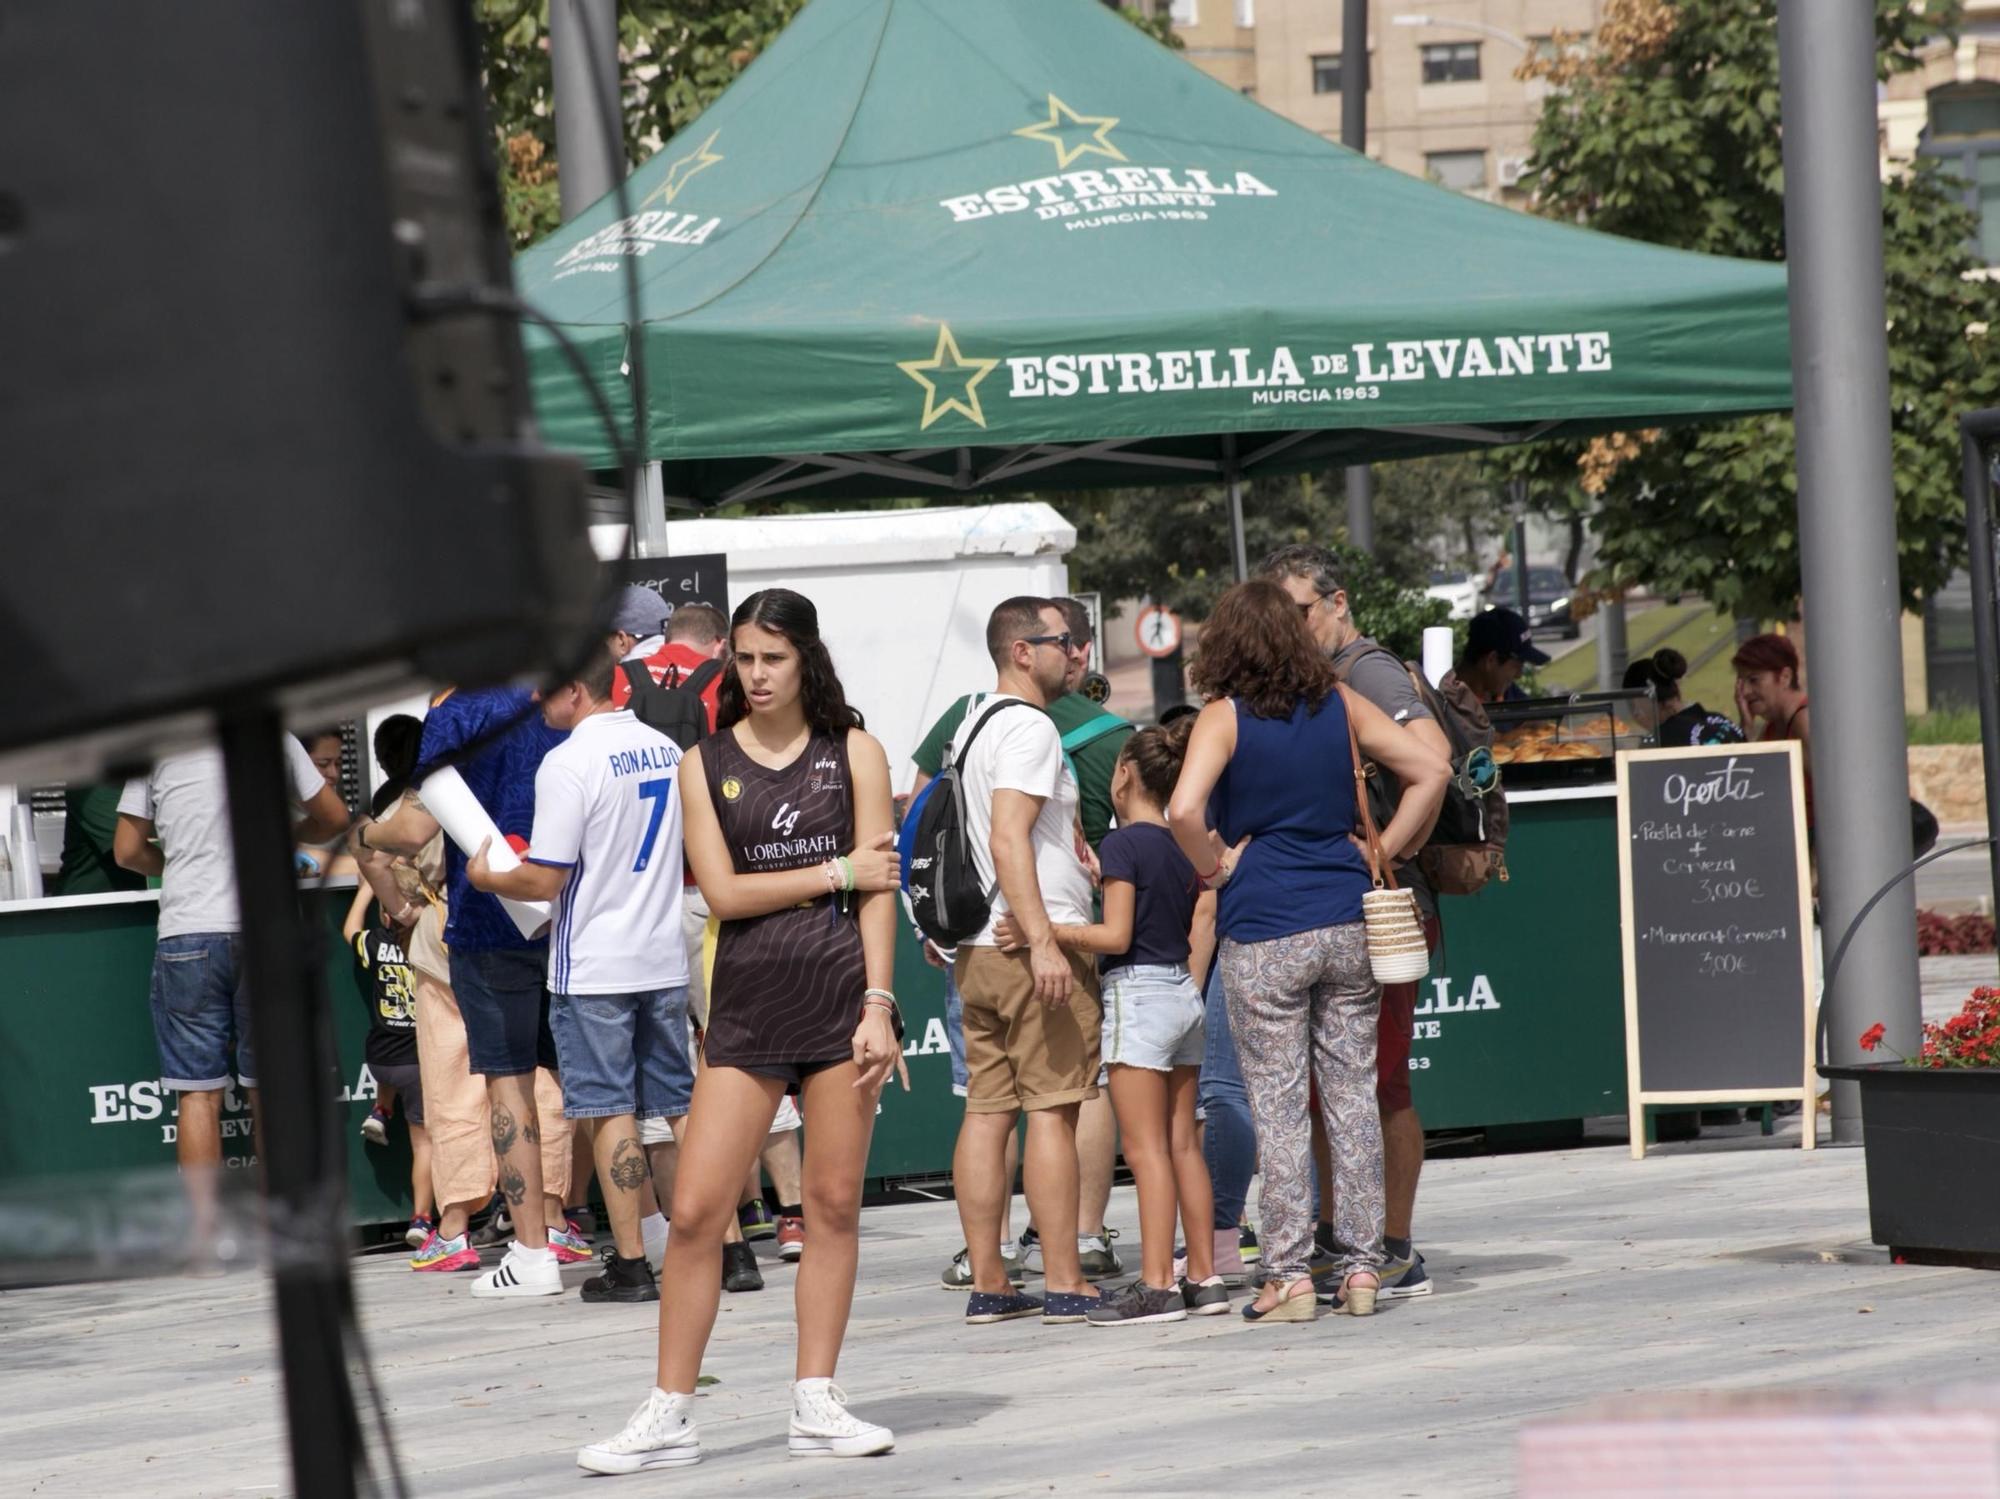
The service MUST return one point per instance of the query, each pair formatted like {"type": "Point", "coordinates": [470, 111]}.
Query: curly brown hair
{"type": "Point", "coordinates": [1256, 647]}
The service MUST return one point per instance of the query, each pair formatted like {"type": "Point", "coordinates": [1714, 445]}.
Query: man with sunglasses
{"type": "Point", "coordinates": [1030, 1018]}
{"type": "Point", "coordinates": [1310, 575]}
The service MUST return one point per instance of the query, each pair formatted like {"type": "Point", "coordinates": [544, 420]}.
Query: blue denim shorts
{"type": "Point", "coordinates": [201, 1013]}
{"type": "Point", "coordinates": [623, 1053]}
{"type": "Point", "coordinates": [503, 997]}
{"type": "Point", "coordinates": [1153, 1017]}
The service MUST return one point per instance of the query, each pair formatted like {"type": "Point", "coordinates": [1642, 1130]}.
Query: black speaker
{"type": "Point", "coordinates": [234, 463]}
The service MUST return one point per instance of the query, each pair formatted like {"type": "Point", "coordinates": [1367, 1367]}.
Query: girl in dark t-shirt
{"type": "Point", "coordinates": [790, 833]}
{"type": "Point", "coordinates": [1157, 919]}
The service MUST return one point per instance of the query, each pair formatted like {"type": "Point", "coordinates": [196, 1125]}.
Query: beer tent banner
{"type": "Point", "coordinates": [935, 245]}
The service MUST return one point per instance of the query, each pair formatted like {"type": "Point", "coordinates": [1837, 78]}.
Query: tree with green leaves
{"type": "Point", "coordinates": [1173, 546]}
{"type": "Point", "coordinates": [1667, 130]}
{"type": "Point", "coordinates": [675, 58]}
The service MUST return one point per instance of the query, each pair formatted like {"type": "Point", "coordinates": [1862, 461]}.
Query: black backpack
{"type": "Point", "coordinates": [947, 899]}
{"type": "Point", "coordinates": [674, 706]}
{"type": "Point", "coordinates": [1466, 847]}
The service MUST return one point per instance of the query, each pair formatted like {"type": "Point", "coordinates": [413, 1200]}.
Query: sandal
{"type": "Point", "coordinates": [1356, 1297]}
{"type": "Point", "coordinates": [1296, 1303]}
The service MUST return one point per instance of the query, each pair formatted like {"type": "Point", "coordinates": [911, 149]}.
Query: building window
{"type": "Point", "coordinates": [1183, 13]}
{"type": "Point", "coordinates": [1964, 132]}
{"type": "Point", "coordinates": [1246, 12]}
{"type": "Point", "coordinates": [1326, 73]}
{"type": "Point", "coordinates": [1451, 62]}
{"type": "Point", "coordinates": [1461, 171]}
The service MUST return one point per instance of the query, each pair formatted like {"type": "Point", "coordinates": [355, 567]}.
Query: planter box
{"type": "Point", "coordinates": [1933, 1155]}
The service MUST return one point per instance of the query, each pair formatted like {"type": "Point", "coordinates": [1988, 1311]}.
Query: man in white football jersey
{"type": "Point", "coordinates": [607, 851]}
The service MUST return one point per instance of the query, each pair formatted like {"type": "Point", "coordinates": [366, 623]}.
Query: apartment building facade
{"type": "Point", "coordinates": [1444, 101]}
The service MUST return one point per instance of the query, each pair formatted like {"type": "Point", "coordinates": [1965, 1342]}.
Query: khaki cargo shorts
{"type": "Point", "coordinates": [1019, 1052]}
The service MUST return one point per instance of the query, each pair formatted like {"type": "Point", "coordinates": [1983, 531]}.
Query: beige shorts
{"type": "Point", "coordinates": [1019, 1052]}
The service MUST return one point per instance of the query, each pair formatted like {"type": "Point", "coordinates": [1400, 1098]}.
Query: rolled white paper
{"type": "Point", "coordinates": [27, 854]}
{"type": "Point", "coordinates": [466, 823]}
{"type": "Point", "coordinates": [1437, 652]}
{"type": "Point", "coordinates": [607, 539]}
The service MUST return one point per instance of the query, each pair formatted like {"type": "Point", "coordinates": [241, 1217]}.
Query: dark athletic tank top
{"type": "Point", "coordinates": [787, 985]}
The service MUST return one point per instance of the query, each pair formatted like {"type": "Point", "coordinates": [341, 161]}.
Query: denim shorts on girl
{"type": "Point", "coordinates": [1153, 1017]}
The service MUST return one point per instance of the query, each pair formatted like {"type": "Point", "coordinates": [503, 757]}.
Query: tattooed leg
{"type": "Point", "coordinates": [622, 1174]}
{"type": "Point", "coordinates": [518, 1153]}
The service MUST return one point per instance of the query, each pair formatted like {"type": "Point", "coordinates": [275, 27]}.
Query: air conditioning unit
{"type": "Point", "coordinates": [1510, 170]}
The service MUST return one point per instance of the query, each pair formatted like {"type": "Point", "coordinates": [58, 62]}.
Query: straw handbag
{"type": "Point", "coordinates": [1397, 952]}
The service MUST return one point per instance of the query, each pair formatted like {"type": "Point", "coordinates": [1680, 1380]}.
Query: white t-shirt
{"type": "Point", "coordinates": [1022, 751]}
{"type": "Point", "coordinates": [606, 808]}
{"type": "Point", "coordinates": [185, 800]}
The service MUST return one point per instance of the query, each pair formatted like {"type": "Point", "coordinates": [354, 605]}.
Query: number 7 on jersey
{"type": "Point", "coordinates": [657, 793]}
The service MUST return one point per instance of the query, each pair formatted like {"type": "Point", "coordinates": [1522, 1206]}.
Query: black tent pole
{"type": "Point", "coordinates": [297, 1079]}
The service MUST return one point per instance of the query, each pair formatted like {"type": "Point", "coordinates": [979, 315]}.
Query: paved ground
{"type": "Point", "coordinates": [1564, 1278]}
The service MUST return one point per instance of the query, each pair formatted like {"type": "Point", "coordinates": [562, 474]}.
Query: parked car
{"type": "Point", "coordinates": [1548, 599]}
{"type": "Point", "coordinates": [1458, 589]}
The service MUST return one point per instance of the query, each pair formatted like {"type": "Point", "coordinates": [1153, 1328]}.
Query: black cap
{"type": "Point", "coordinates": [1503, 633]}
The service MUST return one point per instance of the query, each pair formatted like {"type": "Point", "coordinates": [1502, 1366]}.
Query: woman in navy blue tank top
{"type": "Point", "coordinates": [1265, 809]}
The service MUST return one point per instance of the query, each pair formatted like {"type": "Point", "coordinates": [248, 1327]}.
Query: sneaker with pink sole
{"type": "Point", "coordinates": [445, 1254]}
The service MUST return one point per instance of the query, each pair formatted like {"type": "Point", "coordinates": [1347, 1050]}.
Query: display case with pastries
{"type": "Point", "coordinates": [1568, 741]}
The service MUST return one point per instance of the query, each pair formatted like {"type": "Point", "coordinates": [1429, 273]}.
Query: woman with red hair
{"type": "Point", "coordinates": [1769, 688]}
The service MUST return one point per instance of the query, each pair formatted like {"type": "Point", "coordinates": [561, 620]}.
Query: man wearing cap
{"type": "Point", "coordinates": [1311, 576]}
{"type": "Point", "coordinates": [1498, 644]}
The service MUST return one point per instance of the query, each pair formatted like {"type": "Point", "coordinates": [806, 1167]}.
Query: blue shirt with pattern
{"type": "Point", "coordinates": [502, 775]}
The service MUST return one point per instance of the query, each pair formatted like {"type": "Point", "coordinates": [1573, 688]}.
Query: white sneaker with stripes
{"type": "Point", "coordinates": [523, 1272]}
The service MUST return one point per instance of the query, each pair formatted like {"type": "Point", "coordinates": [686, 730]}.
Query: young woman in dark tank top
{"type": "Point", "coordinates": [790, 834]}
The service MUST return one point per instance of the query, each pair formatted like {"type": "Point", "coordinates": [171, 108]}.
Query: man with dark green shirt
{"type": "Point", "coordinates": [1092, 739]}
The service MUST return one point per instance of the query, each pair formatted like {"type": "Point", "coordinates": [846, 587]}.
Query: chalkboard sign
{"type": "Point", "coordinates": [699, 579]}
{"type": "Point", "coordinates": [1717, 909]}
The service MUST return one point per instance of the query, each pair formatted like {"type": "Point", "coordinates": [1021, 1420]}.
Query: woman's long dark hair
{"type": "Point", "coordinates": [397, 739]}
{"type": "Point", "coordinates": [1255, 646]}
{"type": "Point", "coordinates": [792, 615]}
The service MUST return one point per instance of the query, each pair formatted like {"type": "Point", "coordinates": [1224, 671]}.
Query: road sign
{"type": "Point", "coordinates": [1159, 631]}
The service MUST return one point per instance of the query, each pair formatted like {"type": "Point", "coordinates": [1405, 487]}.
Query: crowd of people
{"type": "Point", "coordinates": [1174, 957]}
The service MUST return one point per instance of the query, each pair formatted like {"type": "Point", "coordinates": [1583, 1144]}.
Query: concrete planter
{"type": "Point", "coordinates": [1933, 1155]}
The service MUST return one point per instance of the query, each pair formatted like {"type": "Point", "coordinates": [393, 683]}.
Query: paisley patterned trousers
{"type": "Point", "coordinates": [1303, 1009]}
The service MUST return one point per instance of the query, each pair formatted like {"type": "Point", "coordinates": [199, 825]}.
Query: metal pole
{"type": "Point", "coordinates": [1361, 507]}
{"type": "Point", "coordinates": [304, 1145]}
{"type": "Point", "coordinates": [590, 137]}
{"type": "Point", "coordinates": [1236, 541]}
{"type": "Point", "coordinates": [1847, 523]}
{"type": "Point", "coordinates": [1977, 429]}
{"type": "Point", "coordinates": [1520, 545]}
{"type": "Point", "coordinates": [1613, 653]}
{"type": "Point", "coordinates": [1354, 84]}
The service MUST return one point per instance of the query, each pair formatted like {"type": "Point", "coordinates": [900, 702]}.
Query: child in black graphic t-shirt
{"type": "Point", "coordinates": [391, 1050]}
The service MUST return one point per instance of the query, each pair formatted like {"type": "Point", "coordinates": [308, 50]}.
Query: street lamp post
{"type": "Point", "coordinates": [1445, 23]}
{"type": "Point", "coordinates": [1354, 136]}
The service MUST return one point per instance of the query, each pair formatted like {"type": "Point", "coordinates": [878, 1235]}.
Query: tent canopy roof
{"type": "Point", "coordinates": [924, 245]}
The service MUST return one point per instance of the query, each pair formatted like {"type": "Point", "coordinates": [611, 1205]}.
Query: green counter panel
{"type": "Point", "coordinates": [1521, 1022]}
{"type": "Point", "coordinates": [84, 1101]}
{"type": "Point", "coordinates": [1523, 1018]}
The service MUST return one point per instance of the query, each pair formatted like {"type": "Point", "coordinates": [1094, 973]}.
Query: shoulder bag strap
{"type": "Point", "coordinates": [697, 680]}
{"type": "Point", "coordinates": [1379, 868]}
{"type": "Point", "coordinates": [958, 755]}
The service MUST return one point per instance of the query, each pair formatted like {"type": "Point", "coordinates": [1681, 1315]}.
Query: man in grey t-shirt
{"type": "Point", "coordinates": [1310, 575]}
{"type": "Point", "coordinates": [200, 1011]}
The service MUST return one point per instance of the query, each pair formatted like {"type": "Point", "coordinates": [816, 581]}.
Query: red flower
{"type": "Point", "coordinates": [1872, 1037]}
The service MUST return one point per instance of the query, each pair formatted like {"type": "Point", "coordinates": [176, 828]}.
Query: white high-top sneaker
{"type": "Point", "coordinates": [522, 1272]}
{"type": "Point", "coordinates": [822, 1426]}
{"type": "Point", "coordinates": [661, 1434]}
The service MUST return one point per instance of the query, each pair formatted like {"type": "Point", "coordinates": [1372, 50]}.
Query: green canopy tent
{"type": "Point", "coordinates": [930, 245]}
